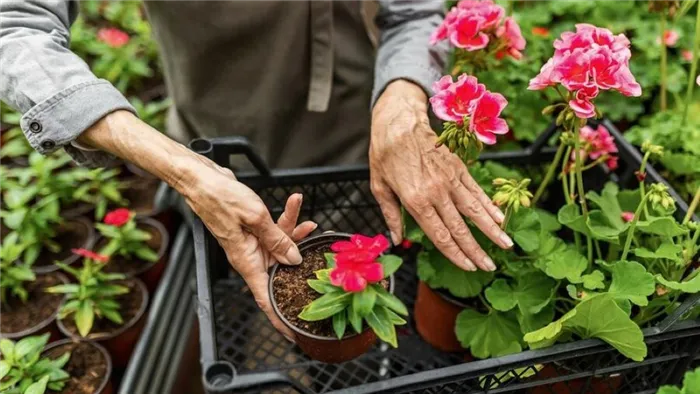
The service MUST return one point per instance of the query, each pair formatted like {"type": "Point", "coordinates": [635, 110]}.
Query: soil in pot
{"type": "Point", "coordinates": [149, 272]}
{"type": "Point", "coordinates": [72, 234]}
{"type": "Point", "coordinates": [141, 193]}
{"type": "Point", "coordinates": [118, 339]}
{"type": "Point", "coordinates": [37, 315]}
{"type": "Point", "coordinates": [89, 367]}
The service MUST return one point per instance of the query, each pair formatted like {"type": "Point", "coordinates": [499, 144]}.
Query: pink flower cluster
{"type": "Point", "coordinates": [355, 262]}
{"type": "Point", "coordinates": [670, 38]}
{"type": "Point", "coordinates": [113, 37]}
{"type": "Point", "coordinates": [466, 97]}
{"type": "Point", "coordinates": [586, 62]}
{"type": "Point", "coordinates": [598, 143]}
{"type": "Point", "coordinates": [472, 24]}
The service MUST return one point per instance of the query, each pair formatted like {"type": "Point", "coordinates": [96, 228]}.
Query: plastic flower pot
{"type": "Point", "coordinates": [38, 315]}
{"type": "Point", "coordinates": [74, 233]}
{"type": "Point", "coordinates": [435, 313]}
{"type": "Point", "coordinates": [89, 366]}
{"type": "Point", "coordinates": [149, 272]}
{"type": "Point", "coordinates": [328, 349]}
{"type": "Point", "coordinates": [119, 340]}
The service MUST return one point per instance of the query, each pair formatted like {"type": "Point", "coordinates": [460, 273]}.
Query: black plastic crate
{"type": "Point", "coordinates": [242, 352]}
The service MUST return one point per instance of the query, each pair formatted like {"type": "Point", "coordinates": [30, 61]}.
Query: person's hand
{"type": "Point", "coordinates": [431, 183]}
{"type": "Point", "coordinates": [241, 223]}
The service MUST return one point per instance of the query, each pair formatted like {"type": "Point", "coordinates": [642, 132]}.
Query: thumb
{"type": "Point", "coordinates": [391, 210]}
{"type": "Point", "coordinates": [277, 242]}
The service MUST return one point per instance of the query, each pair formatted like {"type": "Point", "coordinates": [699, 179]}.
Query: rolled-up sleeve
{"type": "Point", "coordinates": [404, 49]}
{"type": "Point", "coordinates": [54, 89]}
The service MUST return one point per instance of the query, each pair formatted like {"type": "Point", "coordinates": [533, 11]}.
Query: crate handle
{"type": "Point", "coordinates": [219, 149]}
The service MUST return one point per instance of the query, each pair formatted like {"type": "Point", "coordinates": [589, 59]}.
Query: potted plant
{"type": "Point", "coordinates": [106, 307]}
{"type": "Point", "coordinates": [624, 261]}
{"type": "Point", "coordinates": [89, 366]}
{"type": "Point", "coordinates": [136, 246]}
{"type": "Point", "coordinates": [344, 284]}
{"type": "Point", "coordinates": [96, 189]}
{"type": "Point", "coordinates": [26, 308]}
{"type": "Point", "coordinates": [23, 370]}
{"type": "Point", "coordinates": [37, 220]}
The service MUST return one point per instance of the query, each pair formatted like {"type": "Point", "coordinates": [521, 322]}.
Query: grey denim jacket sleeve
{"type": "Point", "coordinates": [39, 76]}
{"type": "Point", "coordinates": [404, 49]}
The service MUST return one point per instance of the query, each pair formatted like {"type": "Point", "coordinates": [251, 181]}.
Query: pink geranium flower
{"type": "Point", "coordinates": [544, 78]}
{"type": "Point", "coordinates": [512, 37]}
{"type": "Point", "coordinates": [598, 143]}
{"type": "Point", "coordinates": [455, 100]}
{"type": "Point", "coordinates": [113, 37]}
{"type": "Point", "coordinates": [687, 55]}
{"type": "Point", "coordinates": [582, 105]}
{"type": "Point", "coordinates": [485, 121]}
{"type": "Point", "coordinates": [355, 262]}
{"type": "Point", "coordinates": [627, 216]}
{"type": "Point", "coordinates": [670, 38]}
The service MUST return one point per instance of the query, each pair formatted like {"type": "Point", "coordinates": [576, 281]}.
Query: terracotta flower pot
{"type": "Point", "coordinates": [327, 349]}
{"type": "Point", "coordinates": [121, 341]}
{"type": "Point", "coordinates": [41, 322]}
{"type": "Point", "coordinates": [90, 367]}
{"type": "Point", "coordinates": [435, 314]}
{"type": "Point", "coordinates": [74, 233]}
{"type": "Point", "coordinates": [150, 272]}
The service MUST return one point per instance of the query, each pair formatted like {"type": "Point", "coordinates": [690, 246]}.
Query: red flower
{"type": "Point", "coordinates": [455, 100]}
{"type": "Point", "coordinates": [118, 217]}
{"type": "Point", "coordinates": [355, 264]}
{"type": "Point", "coordinates": [486, 122]}
{"type": "Point", "coordinates": [540, 31]}
{"type": "Point", "coordinates": [113, 37]}
{"type": "Point", "coordinates": [406, 244]}
{"type": "Point", "coordinates": [627, 216]}
{"type": "Point", "coordinates": [89, 254]}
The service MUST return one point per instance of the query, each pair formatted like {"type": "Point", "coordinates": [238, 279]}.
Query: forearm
{"type": "Point", "coordinates": [127, 137]}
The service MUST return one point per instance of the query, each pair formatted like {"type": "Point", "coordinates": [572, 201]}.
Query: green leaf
{"type": "Point", "coordinates": [390, 263]}
{"type": "Point", "coordinates": [608, 204]}
{"type": "Point", "coordinates": [669, 390]}
{"type": "Point", "coordinates": [326, 306]}
{"type": "Point", "coordinates": [21, 272]}
{"type": "Point", "coordinates": [600, 317]}
{"type": "Point", "coordinates": [146, 253]}
{"type": "Point", "coordinates": [330, 260]}
{"type": "Point", "coordinates": [691, 286]}
{"type": "Point", "coordinates": [340, 322]}
{"type": "Point", "coordinates": [491, 335]}
{"type": "Point", "coordinates": [394, 318]}
{"type": "Point", "coordinates": [665, 226]}
{"type": "Point", "coordinates": [390, 301]}
{"type": "Point", "coordinates": [321, 286]}
{"type": "Point", "coordinates": [30, 345]}
{"type": "Point", "coordinates": [411, 228]}
{"type": "Point", "coordinates": [4, 369]}
{"type": "Point", "coordinates": [354, 319]}
{"type": "Point", "coordinates": [324, 275]}
{"type": "Point", "coordinates": [600, 227]}
{"type": "Point", "coordinates": [525, 228]}
{"type": "Point", "coordinates": [531, 293]}
{"type": "Point", "coordinates": [363, 301]}
{"type": "Point", "coordinates": [666, 250]}
{"type": "Point", "coordinates": [439, 273]}
{"type": "Point", "coordinates": [628, 200]}
{"type": "Point", "coordinates": [63, 289]}
{"type": "Point", "coordinates": [630, 280]}
{"type": "Point", "coordinates": [84, 317]}
{"type": "Point", "coordinates": [7, 349]}
{"type": "Point", "coordinates": [547, 220]}
{"type": "Point", "coordinates": [565, 264]}
{"type": "Point", "coordinates": [530, 322]}
{"type": "Point", "coordinates": [13, 219]}
{"type": "Point", "coordinates": [380, 322]}
{"type": "Point", "coordinates": [38, 387]}
{"type": "Point", "coordinates": [571, 217]}
{"type": "Point", "coordinates": [594, 280]}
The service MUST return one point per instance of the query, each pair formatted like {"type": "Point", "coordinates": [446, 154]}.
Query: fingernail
{"type": "Point", "coordinates": [293, 256]}
{"type": "Point", "coordinates": [470, 265]}
{"type": "Point", "coordinates": [315, 227]}
{"type": "Point", "coordinates": [500, 216]}
{"type": "Point", "coordinates": [395, 238]}
{"type": "Point", "coordinates": [489, 263]}
{"type": "Point", "coordinates": [507, 242]}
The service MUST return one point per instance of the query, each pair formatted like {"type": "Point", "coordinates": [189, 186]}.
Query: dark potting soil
{"type": "Point", "coordinates": [130, 306]}
{"type": "Point", "coordinates": [87, 367]}
{"type": "Point", "coordinates": [141, 193]}
{"type": "Point", "coordinates": [70, 235]}
{"type": "Point", "coordinates": [129, 266]}
{"type": "Point", "coordinates": [292, 292]}
{"type": "Point", "coordinates": [40, 305]}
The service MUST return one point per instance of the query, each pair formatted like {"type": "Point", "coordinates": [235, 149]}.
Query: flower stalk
{"type": "Point", "coordinates": [663, 61]}
{"type": "Point", "coordinates": [633, 225]}
{"type": "Point", "coordinates": [693, 68]}
{"type": "Point", "coordinates": [550, 173]}
{"type": "Point", "coordinates": [693, 206]}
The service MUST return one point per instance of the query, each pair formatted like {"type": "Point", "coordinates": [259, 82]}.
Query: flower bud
{"type": "Point", "coordinates": [548, 110]}
{"type": "Point", "coordinates": [654, 150]}
{"type": "Point", "coordinates": [641, 176]}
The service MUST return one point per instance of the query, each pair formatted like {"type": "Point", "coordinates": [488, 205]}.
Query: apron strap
{"type": "Point", "coordinates": [321, 80]}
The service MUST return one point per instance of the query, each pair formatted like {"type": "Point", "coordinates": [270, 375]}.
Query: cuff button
{"type": "Point", "coordinates": [48, 144]}
{"type": "Point", "coordinates": [35, 127]}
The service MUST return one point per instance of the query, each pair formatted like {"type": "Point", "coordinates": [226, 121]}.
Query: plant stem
{"type": "Point", "coordinates": [509, 213]}
{"type": "Point", "coordinates": [693, 67]}
{"type": "Point", "coordinates": [693, 204]}
{"type": "Point", "coordinates": [599, 253]}
{"type": "Point", "coordinates": [550, 173]}
{"type": "Point", "coordinates": [565, 188]}
{"type": "Point", "coordinates": [560, 93]}
{"type": "Point", "coordinates": [600, 160]}
{"type": "Point", "coordinates": [483, 301]}
{"type": "Point", "coordinates": [663, 62]}
{"type": "Point", "coordinates": [630, 232]}
{"type": "Point", "coordinates": [642, 169]}
{"type": "Point", "coordinates": [572, 302]}
{"type": "Point", "coordinates": [579, 185]}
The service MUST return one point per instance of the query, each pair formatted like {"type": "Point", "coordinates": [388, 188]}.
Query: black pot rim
{"type": "Point", "coordinates": [70, 260]}
{"type": "Point", "coordinates": [161, 250]}
{"type": "Point", "coordinates": [126, 326]}
{"type": "Point", "coordinates": [44, 323]}
{"type": "Point", "coordinates": [308, 242]}
{"type": "Point", "coordinates": [105, 354]}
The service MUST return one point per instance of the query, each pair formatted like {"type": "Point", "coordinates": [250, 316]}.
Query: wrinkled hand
{"type": "Point", "coordinates": [241, 223]}
{"type": "Point", "coordinates": [431, 183]}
